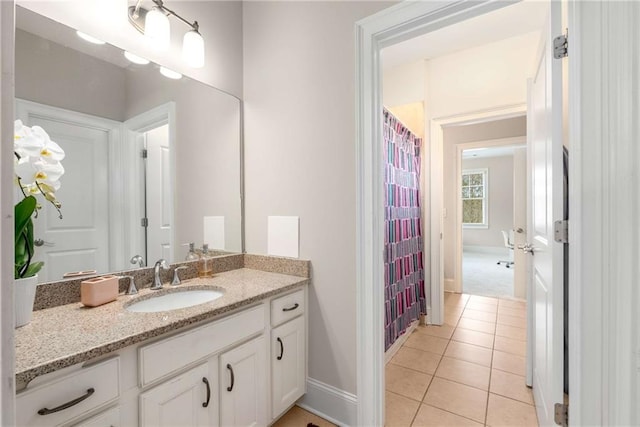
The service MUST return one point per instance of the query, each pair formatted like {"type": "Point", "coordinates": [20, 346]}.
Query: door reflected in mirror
{"type": "Point", "coordinates": [151, 163]}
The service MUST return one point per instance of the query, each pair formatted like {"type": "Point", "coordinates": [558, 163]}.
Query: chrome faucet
{"type": "Point", "coordinates": [132, 290]}
{"type": "Point", "coordinates": [176, 279]}
{"type": "Point", "coordinates": [157, 282]}
{"type": "Point", "coordinates": [137, 259]}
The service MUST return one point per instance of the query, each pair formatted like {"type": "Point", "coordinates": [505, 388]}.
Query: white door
{"type": "Point", "coordinates": [288, 363]}
{"type": "Point", "coordinates": [80, 240]}
{"type": "Point", "coordinates": [158, 191]}
{"type": "Point", "coordinates": [187, 400]}
{"type": "Point", "coordinates": [546, 186]}
{"type": "Point", "coordinates": [243, 385]}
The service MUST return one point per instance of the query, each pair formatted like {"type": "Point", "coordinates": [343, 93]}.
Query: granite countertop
{"type": "Point", "coordinates": [63, 336]}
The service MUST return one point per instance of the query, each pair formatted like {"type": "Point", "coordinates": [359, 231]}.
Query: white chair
{"type": "Point", "coordinates": [508, 243]}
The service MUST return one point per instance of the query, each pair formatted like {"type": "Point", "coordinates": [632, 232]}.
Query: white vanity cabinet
{"type": "Point", "coordinates": [288, 350]}
{"type": "Point", "coordinates": [188, 399]}
{"type": "Point", "coordinates": [288, 367]}
{"type": "Point", "coordinates": [69, 396]}
{"type": "Point", "coordinates": [243, 369]}
{"type": "Point", "coordinates": [244, 395]}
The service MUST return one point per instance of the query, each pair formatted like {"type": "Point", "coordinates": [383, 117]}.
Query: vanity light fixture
{"type": "Point", "coordinates": [170, 74]}
{"type": "Point", "coordinates": [88, 38]}
{"type": "Point", "coordinates": [135, 58]}
{"type": "Point", "coordinates": [154, 24]}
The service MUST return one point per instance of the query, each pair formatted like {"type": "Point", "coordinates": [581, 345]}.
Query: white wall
{"type": "Point", "coordinates": [220, 26]}
{"type": "Point", "coordinates": [299, 60]}
{"type": "Point", "coordinates": [481, 78]}
{"type": "Point", "coordinates": [404, 84]}
{"type": "Point", "coordinates": [454, 135]}
{"type": "Point", "coordinates": [499, 203]}
{"type": "Point", "coordinates": [55, 75]}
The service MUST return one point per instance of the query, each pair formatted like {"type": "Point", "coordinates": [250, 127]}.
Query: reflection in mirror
{"type": "Point", "coordinates": [151, 163]}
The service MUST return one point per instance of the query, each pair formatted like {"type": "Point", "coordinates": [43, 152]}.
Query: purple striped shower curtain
{"type": "Point", "coordinates": [403, 264]}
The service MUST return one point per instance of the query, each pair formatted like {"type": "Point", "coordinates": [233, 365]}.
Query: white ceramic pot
{"type": "Point", "coordinates": [24, 294]}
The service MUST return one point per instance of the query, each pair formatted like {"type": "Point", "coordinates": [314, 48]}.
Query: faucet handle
{"type": "Point", "coordinates": [176, 278]}
{"type": "Point", "coordinates": [132, 286]}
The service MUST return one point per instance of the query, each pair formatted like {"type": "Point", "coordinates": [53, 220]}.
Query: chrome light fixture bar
{"type": "Point", "coordinates": [154, 24]}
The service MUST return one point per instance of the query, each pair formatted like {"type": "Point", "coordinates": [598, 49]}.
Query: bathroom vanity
{"type": "Point", "coordinates": [239, 360]}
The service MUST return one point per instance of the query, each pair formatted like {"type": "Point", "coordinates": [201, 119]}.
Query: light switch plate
{"type": "Point", "coordinates": [213, 234]}
{"type": "Point", "coordinates": [283, 236]}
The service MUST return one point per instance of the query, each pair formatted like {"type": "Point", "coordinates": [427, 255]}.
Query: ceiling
{"type": "Point", "coordinates": [510, 21]}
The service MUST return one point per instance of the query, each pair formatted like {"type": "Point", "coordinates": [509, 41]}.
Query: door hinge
{"type": "Point", "coordinates": [144, 153]}
{"type": "Point", "coordinates": [144, 222]}
{"type": "Point", "coordinates": [561, 231]}
{"type": "Point", "coordinates": [561, 46]}
{"type": "Point", "coordinates": [561, 414]}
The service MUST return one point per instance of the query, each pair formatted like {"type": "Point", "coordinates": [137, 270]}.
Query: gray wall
{"type": "Point", "coordinates": [299, 60]}
{"type": "Point", "coordinates": [500, 201]}
{"type": "Point", "coordinates": [458, 135]}
{"type": "Point", "coordinates": [207, 152]}
{"type": "Point", "coordinates": [220, 26]}
{"type": "Point", "coordinates": [52, 74]}
{"type": "Point", "coordinates": [207, 124]}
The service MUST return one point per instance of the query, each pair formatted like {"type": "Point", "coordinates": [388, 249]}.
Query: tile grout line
{"type": "Point", "coordinates": [436, 370]}
{"type": "Point", "coordinates": [486, 409]}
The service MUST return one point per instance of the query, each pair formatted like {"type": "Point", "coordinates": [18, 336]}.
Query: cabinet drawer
{"type": "Point", "coordinates": [108, 418]}
{"type": "Point", "coordinates": [87, 389]}
{"type": "Point", "coordinates": [161, 358]}
{"type": "Point", "coordinates": [287, 307]}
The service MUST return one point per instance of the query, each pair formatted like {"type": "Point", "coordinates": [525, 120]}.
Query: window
{"type": "Point", "coordinates": [474, 198]}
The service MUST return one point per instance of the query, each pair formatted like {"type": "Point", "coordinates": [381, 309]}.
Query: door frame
{"type": "Point", "coordinates": [402, 22]}
{"type": "Point", "coordinates": [143, 122]}
{"type": "Point", "coordinates": [518, 140]}
{"type": "Point", "coordinates": [436, 198]}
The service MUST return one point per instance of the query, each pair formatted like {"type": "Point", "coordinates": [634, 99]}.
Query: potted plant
{"type": "Point", "coordinates": [37, 171]}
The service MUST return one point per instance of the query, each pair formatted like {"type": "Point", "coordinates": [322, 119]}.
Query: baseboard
{"type": "Point", "coordinates": [330, 403]}
{"type": "Point", "coordinates": [449, 285]}
{"type": "Point", "coordinates": [495, 250]}
{"type": "Point", "coordinates": [399, 342]}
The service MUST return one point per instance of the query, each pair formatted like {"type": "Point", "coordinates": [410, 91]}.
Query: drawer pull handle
{"type": "Point", "coordinates": [281, 349]}
{"type": "Point", "coordinates": [206, 381]}
{"type": "Point", "coordinates": [232, 377]}
{"type": "Point", "coordinates": [296, 305]}
{"type": "Point", "coordinates": [45, 411]}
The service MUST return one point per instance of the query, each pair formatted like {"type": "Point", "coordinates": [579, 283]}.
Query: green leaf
{"type": "Point", "coordinates": [23, 212]}
{"type": "Point", "coordinates": [33, 269]}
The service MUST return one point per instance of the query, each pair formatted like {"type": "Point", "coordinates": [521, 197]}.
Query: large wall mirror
{"type": "Point", "coordinates": [151, 163]}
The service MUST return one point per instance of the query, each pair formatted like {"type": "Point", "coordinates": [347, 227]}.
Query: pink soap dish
{"type": "Point", "coordinates": [99, 290]}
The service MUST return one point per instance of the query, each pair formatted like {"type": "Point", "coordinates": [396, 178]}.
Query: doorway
{"type": "Point", "coordinates": [426, 23]}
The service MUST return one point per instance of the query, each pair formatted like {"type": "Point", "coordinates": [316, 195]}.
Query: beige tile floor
{"type": "Point", "coordinates": [468, 372]}
{"type": "Point", "coordinates": [298, 417]}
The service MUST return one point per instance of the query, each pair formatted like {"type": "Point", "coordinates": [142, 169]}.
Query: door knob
{"type": "Point", "coordinates": [527, 248]}
{"type": "Point", "coordinates": [40, 242]}
{"type": "Point", "coordinates": [519, 230]}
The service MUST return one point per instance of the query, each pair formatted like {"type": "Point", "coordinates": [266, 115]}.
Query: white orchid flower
{"type": "Point", "coordinates": [39, 171]}
{"type": "Point", "coordinates": [35, 142]}
{"type": "Point", "coordinates": [49, 151]}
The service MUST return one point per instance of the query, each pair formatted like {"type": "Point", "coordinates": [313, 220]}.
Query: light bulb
{"type": "Point", "coordinates": [157, 29]}
{"type": "Point", "coordinates": [193, 49]}
{"type": "Point", "coordinates": [90, 39]}
{"type": "Point", "coordinates": [170, 74]}
{"type": "Point", "coordinates": [135, 58]}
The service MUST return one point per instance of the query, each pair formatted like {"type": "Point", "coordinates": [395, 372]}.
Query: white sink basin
{"type": "Point", "coordinates": [174, 301]}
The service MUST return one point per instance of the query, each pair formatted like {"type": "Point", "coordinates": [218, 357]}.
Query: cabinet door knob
{"type": "Point", "coordinates": [206, 381]}
{"type": "Point", "coordinates": [69, 404]}
{"type": "Point", "coordinates": [230, 368]}
{"type": "Point", "coordinates": [281, 349]}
